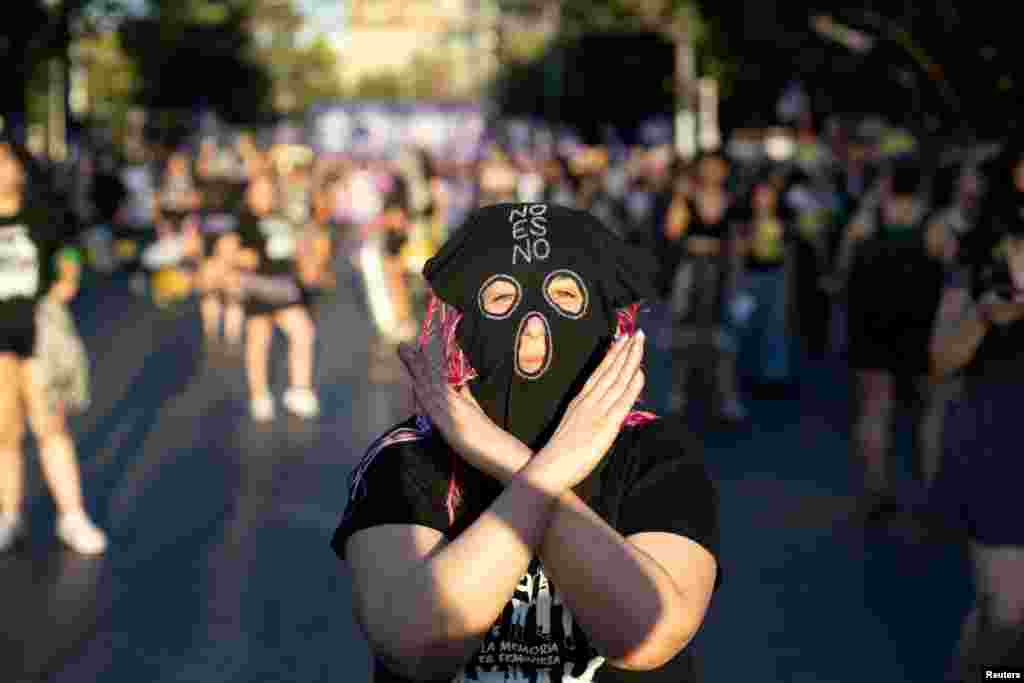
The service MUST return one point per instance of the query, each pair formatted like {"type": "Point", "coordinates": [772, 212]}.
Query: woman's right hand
{"type": "Point", "coordinates": [593, 419]}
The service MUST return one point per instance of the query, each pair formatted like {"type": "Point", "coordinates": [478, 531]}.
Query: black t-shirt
{"type": "Point", "coordinates": [221, 195]}
{"type": "Point", "coordinates": [699, 227]}
{"type": "Point", "coordinates": [273, 237]}
{"type": "Point", "coordinates": [652, 479]}
{"type": "Point", "coordinates": [894, 280]}
{"type": "Point", "coordinates": [108, 192]}
{"type": "Point", "coordinates": [221, 202]}
{"type": "Point", "coordinates": [29, 240]}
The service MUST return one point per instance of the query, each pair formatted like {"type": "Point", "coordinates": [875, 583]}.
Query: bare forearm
{"type": "Point", "coordinates": [458, 594]}
{"type": "Point", "coordinates": [617, 593]}
{"type": "Point", "coordinates": [954, 343]}
{"type": "Point", "coordinates": [621, 597]}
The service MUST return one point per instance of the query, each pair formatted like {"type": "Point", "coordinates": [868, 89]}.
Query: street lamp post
{"type": "Point", "coordinates": [685, 76]}
{"type": "Point", "coordinates": [57, 89]}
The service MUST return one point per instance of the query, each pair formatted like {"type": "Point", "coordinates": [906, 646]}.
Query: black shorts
{"type": "Point", "coordinates": [900, 349]}
{"type": "Point", "coordinates": [18, 330]}
{"type": "Point", "coordinates": [891, 313]}
{"type": "Point", "coordinates": [253, 307]}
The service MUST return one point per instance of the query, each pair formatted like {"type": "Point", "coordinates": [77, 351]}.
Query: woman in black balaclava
{"type": "Point", "coordinates": [528, 468]}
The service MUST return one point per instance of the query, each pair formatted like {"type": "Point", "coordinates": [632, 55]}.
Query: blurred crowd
{"type": "Point", "coordinates": [834, 238]}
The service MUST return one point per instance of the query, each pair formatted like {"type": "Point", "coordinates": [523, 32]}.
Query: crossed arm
{"type": "Point", "coordinates": [640, 599]}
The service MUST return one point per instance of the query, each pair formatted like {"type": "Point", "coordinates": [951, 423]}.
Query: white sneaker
{"type": "Point", "coordinates": [79, 533]}
{"type": "Point", "coordinates": [11, 529]}
{"type": "Point", "coordinates": [262, 408]}
{"type": "Point", "coordinates": [302, 402]}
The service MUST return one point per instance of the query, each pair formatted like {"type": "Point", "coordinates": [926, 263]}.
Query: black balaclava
{"type": "Point", "coordinates": [530, 245]}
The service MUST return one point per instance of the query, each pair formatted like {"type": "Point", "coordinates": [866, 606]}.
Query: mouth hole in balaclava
{"type": "Point", "coordinates": [540, 364]}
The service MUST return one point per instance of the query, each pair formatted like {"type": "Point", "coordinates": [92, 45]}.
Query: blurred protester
{"type": "Point", "coordinates": [559, 183]}
{"type": "Point", "coordinates": [297, 187]}
{"type": "Point", "coordinates": [981, 330]}
{"type": "Point", "coordinates": [497, 180]}
{"type": "Point", "coordinates": [366, 195]}
{"type": "Point", "coordinates": [107, 197]}
{"type": "Point", "coordinates": [178, 198]}
{"type": "Point", "coordinates": [767, 243]}
{"type": "Point", "coordinates": [141, 209]}
{"type": "Point", "coordinates": [318, 237]}
{"type": "Point", "coordinates": [593, 193]}
{"type": "Point", "coordinates": [64, 366]}
{"type": "Point", "coordinates": [273, 297]}
{"type": "Point", "coordinates": [173, 261]}
{"type": "Point", "coordinates": [221, 198]}
{"type": "Point", "coordinates": [29, 241]}
{"type": "Point", "coordinates": [414, 168]}
{"type": "Point", "coordinates": [894, 291]}
{"type": "Point", "coordinates": [395, 226]}
{"type": "Point", "coordinates": [703, 288]}
{"type": "Point", "coordinates": [814, 205]}
{"type": "Point", "coordinates": [440, 217]}
{"type": "Point", "coordinates": [957, 198]}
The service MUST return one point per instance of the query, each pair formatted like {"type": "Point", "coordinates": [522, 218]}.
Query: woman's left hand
{"type": "Point", "coordinates": [462, 422]}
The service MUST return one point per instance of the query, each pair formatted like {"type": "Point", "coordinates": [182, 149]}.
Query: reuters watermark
{"type": "Point", "coordinates": [1003, 675]}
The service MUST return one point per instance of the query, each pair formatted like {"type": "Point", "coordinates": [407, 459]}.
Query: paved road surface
{"type": "Point", "coordinates": [219, 568]}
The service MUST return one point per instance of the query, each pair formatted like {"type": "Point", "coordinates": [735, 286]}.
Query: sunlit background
{"type": "Point", "coordinates": [77, 64]}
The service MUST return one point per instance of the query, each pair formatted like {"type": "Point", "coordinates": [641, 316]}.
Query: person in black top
{"type": "Point", "coordinates": [980, 329]}
{"type": "Point", "coordinates": [272, 297]}
{"type": "Point", "coordinates": [178, 200]}
{"type": "Point", "coordinates": [532, 523]}
{"type": "Point", "coordinates": [893, 294]}
{"type": "Point", "coordinates": [108, 190]}
{"type": "Point", "coordinates": [703, 288]}
{"type": "Point", "coordinates": [29, 240]}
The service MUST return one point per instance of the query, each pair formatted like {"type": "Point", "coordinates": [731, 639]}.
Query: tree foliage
{"type": "Point", "coordinates": [195, 54]}
{"type": "Point", "coordinates": [301, 72]}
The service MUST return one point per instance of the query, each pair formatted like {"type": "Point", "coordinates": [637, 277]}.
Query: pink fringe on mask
{"type": "Point", "coordinates": [460, 372]}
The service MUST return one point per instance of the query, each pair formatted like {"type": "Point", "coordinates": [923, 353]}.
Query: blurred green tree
{"type": "Point", "coordinates": [303, 67]}
{"type": "Point", "coordinates": [197, 54]}
{"type": "Point", "coordinates": [531, 74]}
{"type": "Point", "coordinates": [38, 31]}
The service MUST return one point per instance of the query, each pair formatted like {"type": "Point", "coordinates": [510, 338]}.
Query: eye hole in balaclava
{"type": "Point", "coordinates": [499, 297]}
{"type": "Point", "coordinates": [567, 293]}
